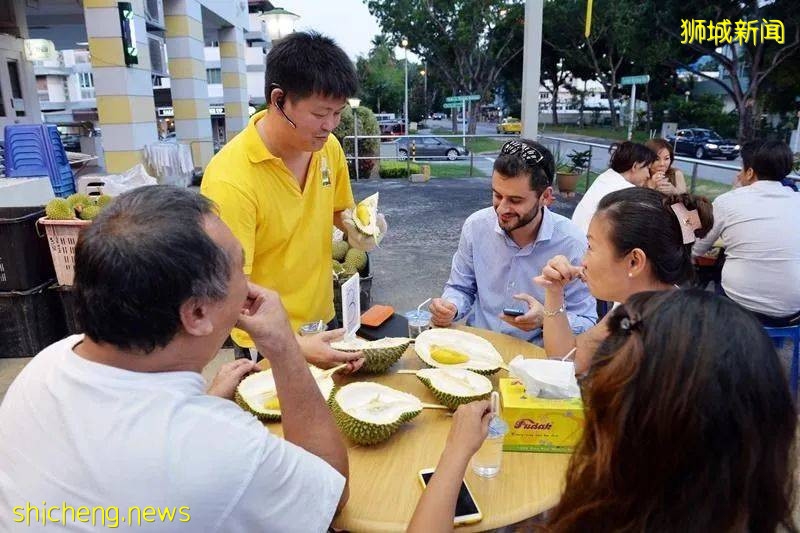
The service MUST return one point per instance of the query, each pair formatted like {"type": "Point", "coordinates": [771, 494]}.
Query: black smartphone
{"type": "Point", "coordinates": [513, 311]}
{"type": "Point", "coordinates": [467, 511]}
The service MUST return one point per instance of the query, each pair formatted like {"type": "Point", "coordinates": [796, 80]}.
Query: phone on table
{"type": "Point", "coordinates": [513, 311]}
{"type": "Point", "coordinates": [467, 511]}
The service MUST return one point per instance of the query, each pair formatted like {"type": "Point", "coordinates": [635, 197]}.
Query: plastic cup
{"type": "Point", "coordinates": [312, 328]}
{"type": "Point", "coordinates": [486, 461]}
{"type": "Point", "coordinates": [418, 321]}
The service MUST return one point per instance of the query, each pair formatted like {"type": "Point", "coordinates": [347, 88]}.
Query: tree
{"type": "Point", "coordinates": [749, 67]}
{"type": "Point", "coordinates": [618, 28]}
{"type": "Point", "coordinates": [381, 77]}
{"type": "Point", "coordinates": [367, 125]}
{"type": "Point", "coordinates": [467, 43]}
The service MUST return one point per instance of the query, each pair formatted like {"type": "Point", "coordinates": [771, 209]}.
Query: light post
{"type": "Point", "coordinates": [424, 74]}
{"type": "Point", "coordinates": [279, 23]}
{"type": "Point", "coordinates": [404, 44]}
{"type": "Point", "coordinates": [354, 103]}
{"type": "Point", "coordinates": [686, 94]}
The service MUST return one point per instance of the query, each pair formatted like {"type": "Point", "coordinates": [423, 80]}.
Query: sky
{"type": "Point", "coordinates": [349, 22]}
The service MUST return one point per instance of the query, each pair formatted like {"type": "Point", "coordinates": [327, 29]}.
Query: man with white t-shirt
{"type": "Point", "coordinates": [630, 167]}
{"type": "Point", "coordinates": [102, 426]}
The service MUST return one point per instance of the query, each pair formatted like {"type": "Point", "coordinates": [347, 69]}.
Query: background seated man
{"type": "Point", "coordinates": [504, 246]}
{"type": "Point", "coordinates": [758, 223]}
{"type": "Point", "coordinates": [121, 417]}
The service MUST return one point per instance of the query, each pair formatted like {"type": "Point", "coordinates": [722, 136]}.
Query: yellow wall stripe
{"type": "Point", "coordinates": [187, 67]}
{"type": "Point", "coordinates": [125, 109]}
{"type": "Point", "coordinates": [231, 49]}
{"type": "Point", "coordinates": [190, 108]}
{"type": "Point", "coordinates": [183, 26]}
{"type": "Point", "coordinates": [118, 162]}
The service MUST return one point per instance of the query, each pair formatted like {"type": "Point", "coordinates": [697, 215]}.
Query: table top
{"type": "Point", "coordinates": [384, 483]}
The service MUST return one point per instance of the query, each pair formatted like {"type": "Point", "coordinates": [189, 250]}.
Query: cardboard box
{"type": "Point", "coordinates": [538, 424]}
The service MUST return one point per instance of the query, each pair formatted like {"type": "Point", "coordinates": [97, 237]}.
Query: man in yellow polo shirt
{"type": "Point", "coordinates": [282, 183]}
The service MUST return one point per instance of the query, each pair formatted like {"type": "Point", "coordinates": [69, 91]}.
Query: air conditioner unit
{"type": "Point", "coordinates": [154, 13]}
{"type": "Point", "coordinates": [158, 55]}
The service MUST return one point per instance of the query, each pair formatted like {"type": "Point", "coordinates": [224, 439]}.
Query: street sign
{"type": "Point", "coordinates": [452, 105]}
{"type": "Point", "coordinates": [463, 98]}
{"type": "Point", "coordinates": [632, 80]}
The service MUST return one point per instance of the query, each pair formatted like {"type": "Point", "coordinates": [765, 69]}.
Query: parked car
{"type": "Point", "coordinates": [702, 143]}
{"type": "Point", "coordinates": [391, 127]}
{"type": "Point", "coordinates": [439, 116]}
{"type": "Point", "coordinates": [510, 125]}
{"type": "Point", "coordinates": [430, 147]}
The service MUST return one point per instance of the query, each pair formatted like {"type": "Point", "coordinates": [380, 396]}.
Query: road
{"type": "Point", "coordinates": [566, 143]}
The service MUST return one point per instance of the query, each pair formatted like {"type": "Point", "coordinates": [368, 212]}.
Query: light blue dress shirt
{"type": "Point", "coordinates": [488, 268]}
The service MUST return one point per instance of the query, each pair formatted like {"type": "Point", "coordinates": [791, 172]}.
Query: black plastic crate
{"type": "Point", "coordinates": [30, 321]}
{"type": "Point", "coordinates": [25, 260]}
{"type": "Point", "coordinates": [66, 297]}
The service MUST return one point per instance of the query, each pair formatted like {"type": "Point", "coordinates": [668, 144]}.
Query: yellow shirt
{"type": "Point", "coordinates": [285, 232]}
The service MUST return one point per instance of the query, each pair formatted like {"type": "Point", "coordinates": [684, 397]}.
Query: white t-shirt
{"type": "Point", "coordinates": [608, 181]}
{"type": "Point", "coordinates": [74, 433]}
{"type": "Point", "coordinates": [760, 227]}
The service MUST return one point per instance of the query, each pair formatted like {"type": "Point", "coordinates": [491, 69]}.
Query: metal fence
{"type": "Point", "coordinates": [554, 143]}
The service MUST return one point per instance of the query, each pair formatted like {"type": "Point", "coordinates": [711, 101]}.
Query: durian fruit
{"type": "Point", "coordinates": [59, 209]}
{"type": "Point", "coordinates": [103, 200]}
{"type": "Point", "coordinates": [455, 386]}
{"type": "Point", "coordinates": [379, 355]}
{"type": "Point", "coordinates": [340, 250]}
{"type": "Point", "coordinates": [89, 212]}
{"type": "Point", "coordinates": [369, 413]}
{"type": "Point", "coordinates": [453, 345]}
{"type": "Point", "coordinates": [78, 199]}
{"type": "Point", "coordinates": [365, 217]}
{"type": "Point", "coordinates": [256, 393]}
{"type": "Point", "coordinates": [355, 260]}
{"type": "Point", "coordinates": [337, 267]}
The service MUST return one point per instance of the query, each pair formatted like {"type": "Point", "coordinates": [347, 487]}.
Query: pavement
{"type": "Point", "coordinates": [425, 219]}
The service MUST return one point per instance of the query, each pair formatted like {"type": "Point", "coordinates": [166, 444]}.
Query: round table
{"type": "Point", "coordinates": [384, 483]}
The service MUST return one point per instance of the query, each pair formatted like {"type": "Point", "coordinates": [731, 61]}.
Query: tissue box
{"type": "Point", "coordinates": [538, 424]}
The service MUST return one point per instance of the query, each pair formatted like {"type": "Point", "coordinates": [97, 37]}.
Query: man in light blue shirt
{"type": "Point", "coordinates": [503, 247]}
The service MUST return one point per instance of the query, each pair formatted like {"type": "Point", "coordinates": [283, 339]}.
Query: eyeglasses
{"type": "Point", "coordinates": [531, 155]}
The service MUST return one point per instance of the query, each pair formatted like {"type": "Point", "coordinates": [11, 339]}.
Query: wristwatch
{"type": "Point", "coordinates": [557, 312]}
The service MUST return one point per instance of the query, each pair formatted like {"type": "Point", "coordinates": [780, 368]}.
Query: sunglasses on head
{"type": "Point", "coordinates": [531, 155]}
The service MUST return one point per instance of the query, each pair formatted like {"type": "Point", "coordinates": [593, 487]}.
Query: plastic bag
{"type": "Point", "coordinates": [545, 378]}
{"type": "Point", "coordinates": [116, 184]}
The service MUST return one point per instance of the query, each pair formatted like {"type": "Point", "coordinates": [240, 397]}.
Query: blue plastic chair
{"type": "Point", "coordinates": [790, 332]}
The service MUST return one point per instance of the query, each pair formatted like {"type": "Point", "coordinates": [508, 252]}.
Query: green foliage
{"type": "Point", "coordinates": [367, 125]}
{"type": "Point", "coordinates": [397, 170]}
{"type": "Point", "coordinates": [704, 111]}
{"type": "Point", "coordinates": [579, 160]}
{"type": "Point", "coordinates": [465, 43]}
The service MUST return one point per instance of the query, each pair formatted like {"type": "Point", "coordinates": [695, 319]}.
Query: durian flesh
{"type": "Point", "coordinates": [369, 413]}
{"type": "Point", "coordinates": [379, 355]}
{"type": "Point", "coordinates": [256, 393]}
{"type": "Point", "coordinates": [482, 356]}
{"type": "Point", "coordinates": [365, 216]}
{"type": "Point", "coordinates": [455, 386]}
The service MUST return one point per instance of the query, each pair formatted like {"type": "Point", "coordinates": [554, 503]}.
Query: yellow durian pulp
{"type": "Point", "coordinates": [447, 356]}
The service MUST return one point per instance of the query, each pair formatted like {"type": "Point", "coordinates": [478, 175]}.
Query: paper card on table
{"type": "Point", "coordinates": [351, 305]}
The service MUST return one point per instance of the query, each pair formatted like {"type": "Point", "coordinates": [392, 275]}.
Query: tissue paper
{"type": "Point", "coordinates": [544, 378]}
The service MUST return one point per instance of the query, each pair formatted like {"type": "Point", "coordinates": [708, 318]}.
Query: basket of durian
{"type": "Point", "coordinates": [347, 262]}
{"type": "Point", "coordinates": [65, 217]}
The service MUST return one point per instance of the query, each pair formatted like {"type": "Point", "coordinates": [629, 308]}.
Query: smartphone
{"type": "Point", "coordinates": [513, 311]}
{"type": "Point", "coordinates": [467, 511]}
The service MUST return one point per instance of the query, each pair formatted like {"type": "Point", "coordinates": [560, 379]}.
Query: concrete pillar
{"type": "Point", "coordinates": [234, 80]}
{"type": "Point", "coordinates": [125, 104]}
{"type": "Point", "coordinates": [188, 82]}
{"type": "Point", "coordinates": [531, 67]}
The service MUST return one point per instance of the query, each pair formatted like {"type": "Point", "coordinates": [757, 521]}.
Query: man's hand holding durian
{"type": "Point", "coordinates": [364, 226]}
{"type": "Point", "coordinates": [318, 351]}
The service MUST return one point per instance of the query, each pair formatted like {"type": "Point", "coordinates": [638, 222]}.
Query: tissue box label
{"type": "Point", "coordinates": [538, 424]}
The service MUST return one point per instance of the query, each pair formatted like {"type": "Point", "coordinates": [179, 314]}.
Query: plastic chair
{"type": "Point", "coordinates": [790, 332]}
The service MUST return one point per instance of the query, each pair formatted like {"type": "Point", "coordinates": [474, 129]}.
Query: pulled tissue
{"type": "Point", "coordinates": [545, 378]}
